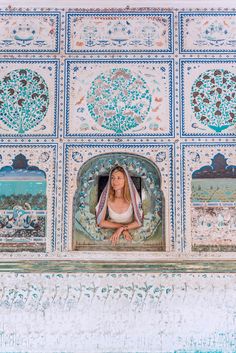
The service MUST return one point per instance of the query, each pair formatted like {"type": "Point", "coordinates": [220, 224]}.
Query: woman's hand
{"type": "Point", "coordinates": [115, 236]}
{"type": "Point", "coordinates": [127, 235]}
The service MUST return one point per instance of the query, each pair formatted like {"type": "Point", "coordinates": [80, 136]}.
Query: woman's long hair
{"type": "Point", "coordinates": [126, 194]}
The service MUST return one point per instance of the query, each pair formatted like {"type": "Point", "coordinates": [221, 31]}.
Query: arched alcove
{"type": "Point", "coordinates": [213, 215]}
{"type": "Point", "coordinates": [23, 206]}
{"type": "Point", "coordinates": [92, 178]}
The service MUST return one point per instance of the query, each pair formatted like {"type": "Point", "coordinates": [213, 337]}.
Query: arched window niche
{"type": "Point", "coordinates": [213, 214]}
{"type": "Point", "coordinates": [23, 207]}
{"type": "Point", "coordinates": [91, 180]}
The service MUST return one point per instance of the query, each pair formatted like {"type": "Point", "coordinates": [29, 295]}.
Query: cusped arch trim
{"type": "Point", "coordinates": [86, 234]}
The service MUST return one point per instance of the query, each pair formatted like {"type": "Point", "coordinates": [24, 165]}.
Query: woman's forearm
{"type": "Point", "coordinates": [131, 226]}
{"type": "Point", "coordinates": [114, 225]}
{"type": "Point", "coordinates": [110, 225]}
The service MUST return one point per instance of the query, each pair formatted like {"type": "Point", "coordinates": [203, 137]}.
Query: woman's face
{"type": "Point", "coordinates": [117, 180]}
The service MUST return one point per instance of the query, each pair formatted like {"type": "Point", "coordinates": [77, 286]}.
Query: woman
{"type": "Point", "coordinates": [119, 206]}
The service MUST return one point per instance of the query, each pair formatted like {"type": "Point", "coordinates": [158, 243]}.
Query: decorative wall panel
{"type": "Point", "coordinates": [28, 97]}
{"type": "Point", "coordinates": [208, 97]}
{"type": "Point", "coordinates": [29, 32]}
{"type": "Point", "coordinates": [151, 91]}
{"type": "Point", "coordinates": [209, 186]}
{"type": "Point", "coordinates": [207, 32]}
{"type": "Point", "coordinates": [119, 33]}
{"type": "Point", "coordinates": [27, 197]}
{"type": "Point", "coordinates": [109, 98]}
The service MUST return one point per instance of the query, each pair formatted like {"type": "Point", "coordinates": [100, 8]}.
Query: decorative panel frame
{"type": "Point", "coordinates": [122, 25]}
{"type": "Point", "coordinates": [207, 32]}
{"type": "Point", "coordinates": [194, 157]}
{"type": "Point", "coordinates": [43, 156]}
{"type": "Point", "coordinates": [48, 69]}
{"type": "Point", "coordinates": [76, 155]}
{"type": "Point", "coordinates": [41, 25]}
{"type": "Point", "coordinates": [193, 68]}
{"type": "Point", "coordinates": [80, 93]}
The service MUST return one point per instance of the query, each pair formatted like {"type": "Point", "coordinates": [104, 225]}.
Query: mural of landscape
{"type": "Point", "coordinates": [213, 206]}
{"type": "Point", "coordinates": [23, 206]}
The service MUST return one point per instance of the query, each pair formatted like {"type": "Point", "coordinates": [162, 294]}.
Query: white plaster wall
{"type": "Point", "coordinates": [120, 3]}
{"type": "Point", "coordinates": [82, 313]}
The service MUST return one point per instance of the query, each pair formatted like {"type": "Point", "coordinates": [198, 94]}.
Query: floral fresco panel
{"type": "Point", "coordinates": [28, 97]}
{"type": "Point", "coordinates": [208, 103]}
{"type": "Point", "coordinates": [119, 97]}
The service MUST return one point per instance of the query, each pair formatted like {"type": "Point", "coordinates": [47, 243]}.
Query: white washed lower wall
{"type": "Point", "coordinates": [83, 313]}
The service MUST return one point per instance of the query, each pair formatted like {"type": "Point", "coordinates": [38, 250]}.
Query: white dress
{"type": "Point", "coordinates": [123, 218]}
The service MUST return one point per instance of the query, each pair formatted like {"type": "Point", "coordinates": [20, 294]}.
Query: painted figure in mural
{"type": "Point", "coordinates": [22, 218]}
{"type": "Point", "coordinates": [119, 206]}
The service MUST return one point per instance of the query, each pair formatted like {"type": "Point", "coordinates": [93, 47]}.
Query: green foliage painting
{"type": "Point", "coordinates": [213, 99]}
{"type": "Point", "coordinates": [24, 100]}
{"type": "Point", "coordinates": [119, 100]}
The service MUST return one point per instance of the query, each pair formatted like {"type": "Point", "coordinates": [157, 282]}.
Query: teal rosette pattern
{"type": "Point", "coordinates": [119, 100]}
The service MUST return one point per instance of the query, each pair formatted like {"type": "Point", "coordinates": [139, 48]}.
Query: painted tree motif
{"type": "Point", "coordinates": [213, 99]}
{"type": "Point", "coordinates": [24, 100]}
{"type": "Point", "coordinates": [119, 100]}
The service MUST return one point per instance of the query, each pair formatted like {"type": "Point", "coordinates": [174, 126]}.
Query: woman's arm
{"type": "Point", "coordinates": [124, 230]}
{"type": "Point", "coordinates": [119, 229]}
{"type": "Point", "coordinates": [113, 225]}
{"type": "Point", "coordinates": [132, 225]}
{"type": "Point", "coordinates": [110, 225]}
